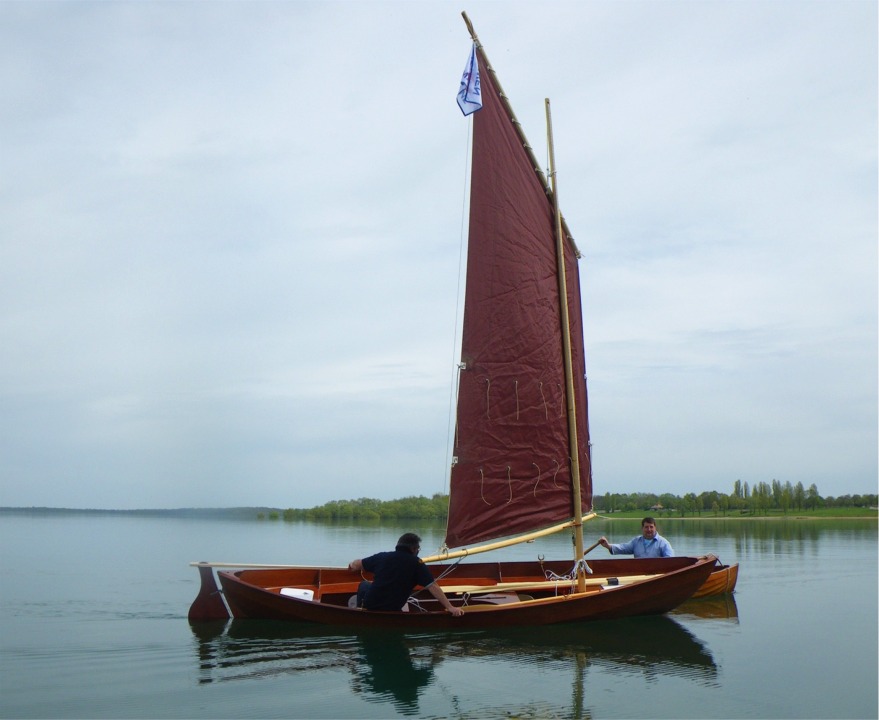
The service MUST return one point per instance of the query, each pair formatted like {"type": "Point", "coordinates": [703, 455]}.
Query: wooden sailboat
{"type": "Point", "coordinates": [522, 461]}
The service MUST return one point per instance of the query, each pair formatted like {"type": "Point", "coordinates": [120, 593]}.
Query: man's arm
{"type": "Point", "coordinates": [618, 548]}
{"type": "Point", "coordinates": [356, 566]}
{"type": "Point", "coordinates": [438, 593]}
{"type": "Point", "coordinates": [622, 548]}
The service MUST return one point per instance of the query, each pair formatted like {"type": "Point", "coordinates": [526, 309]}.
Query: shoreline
{"type": "Point", "coordinates": [266, 514]}
{"type": "Point", "coordinates": [875, 516]}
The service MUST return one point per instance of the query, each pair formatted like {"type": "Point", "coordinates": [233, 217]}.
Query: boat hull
{"type": "Point", "coordinates": [493, 594]}
{"type": "Point", "coordinates": [721, 582]}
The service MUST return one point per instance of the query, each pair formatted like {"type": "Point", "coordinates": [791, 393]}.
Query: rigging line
{"type": "Point", "coordinates": [543, 397]}
{"type": "Point", "coordinates": [517, 398]}
{"type": "Point", "coordinates": [449, 569]}
{"type": "Point", "coordinates": [482, 487]}
{"type": "Point", "coordinates": [453, 382]}
{"type": "Point", "coordinates": [488, 398]}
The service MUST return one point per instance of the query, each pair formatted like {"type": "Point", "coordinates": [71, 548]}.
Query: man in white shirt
{"type": "Point", "coordinates": [649, 544]}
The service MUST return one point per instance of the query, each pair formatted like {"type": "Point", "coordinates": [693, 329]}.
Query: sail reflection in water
{"type": "Point", "coordinates": [396, 667]}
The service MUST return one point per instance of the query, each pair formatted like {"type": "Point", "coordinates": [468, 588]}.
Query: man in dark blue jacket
{"type": "Point", "coordinates": [395, 575]}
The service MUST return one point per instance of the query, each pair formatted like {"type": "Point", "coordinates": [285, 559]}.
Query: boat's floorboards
{"type": "Point", "coordinates": [341, 594]}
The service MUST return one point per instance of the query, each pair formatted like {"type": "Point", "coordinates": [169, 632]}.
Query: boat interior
{"type": "Point", "coordinates": [464, 583]}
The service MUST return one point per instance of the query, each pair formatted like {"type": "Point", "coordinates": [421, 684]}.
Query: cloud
{"type": "Point", "coordinates": [230, 256]}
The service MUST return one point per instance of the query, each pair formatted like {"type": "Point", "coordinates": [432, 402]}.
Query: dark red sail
{"type": "Point", "coordinates": [512, 472]}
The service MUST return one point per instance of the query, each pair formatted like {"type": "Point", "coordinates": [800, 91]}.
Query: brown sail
{"type": "Point", "coordinates": [512, 467]}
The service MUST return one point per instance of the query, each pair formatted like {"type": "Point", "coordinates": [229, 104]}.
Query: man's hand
{"type": "Point", "coordinates": [438, 593]}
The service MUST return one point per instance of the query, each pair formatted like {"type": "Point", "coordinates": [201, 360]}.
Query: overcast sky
{"type": "Point", "coordinates": [231, 236]}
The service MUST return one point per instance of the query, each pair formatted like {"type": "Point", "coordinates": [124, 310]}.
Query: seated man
{"type": "Point", "coordinates": [395, 575]}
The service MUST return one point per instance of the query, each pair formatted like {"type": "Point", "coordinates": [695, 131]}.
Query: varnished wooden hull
{"type": "Point", "coordinates": [493, 594]}
{"type": "Point", "coordinates": [721, 582]}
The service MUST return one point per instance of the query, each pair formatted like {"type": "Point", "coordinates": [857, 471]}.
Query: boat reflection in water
{"type": "Point", "coordinates": [390, 669]}
{"type": "Point", "coordinates": [397, 667]}
{"type": "Point", "coordinates": [386, 666]}
{"type": "Point", "coordinates": [718, 607]}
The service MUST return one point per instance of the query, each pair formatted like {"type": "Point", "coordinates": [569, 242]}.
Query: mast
{"type": "Point", "coordinates": [569, 370]}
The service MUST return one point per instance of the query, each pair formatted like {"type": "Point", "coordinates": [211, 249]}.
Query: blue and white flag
{"type": "Point", "coordinates": [470, 96]}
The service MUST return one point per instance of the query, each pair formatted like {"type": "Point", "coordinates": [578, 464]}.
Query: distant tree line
{"type": "Point", "coordinates": [760, 499]}
{"type": "Point", "coordinates": [408, 508]}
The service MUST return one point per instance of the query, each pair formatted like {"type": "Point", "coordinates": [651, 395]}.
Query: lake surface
{"type": "Point", "coordinates": [93, 625]}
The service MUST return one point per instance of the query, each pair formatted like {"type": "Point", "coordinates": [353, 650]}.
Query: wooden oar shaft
{"type": "Point", "coordinates": [263, 566]}
{"type": "Point", "coordinates": [591, 547]}
{"type": "Point", "coordinates": [539, 585]}
{"type": "Point", "coordinates": [430, 559]}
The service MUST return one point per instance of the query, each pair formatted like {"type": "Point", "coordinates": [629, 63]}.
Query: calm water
{"type": "Point", "coordinates": [93, 625]}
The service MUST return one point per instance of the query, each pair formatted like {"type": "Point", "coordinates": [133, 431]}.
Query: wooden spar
{"type": "Point", "coordinates": [541, 585]}
{"type": "Point", "coordinates": [516, 124]}
{"type": "Point", "coordinates": [259, 566]}
{"type": "Point", "coordinates": [432, 558]}
{"type": "Point", "coordinates": [511, 541]}
{"type": "Point", "coordinates": [569, 370]}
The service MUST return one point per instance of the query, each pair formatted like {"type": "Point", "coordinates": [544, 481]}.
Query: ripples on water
{"type": "Point", "coordinates": [87, 635]}
{"type": "Point", "coordinates": [397, 668]}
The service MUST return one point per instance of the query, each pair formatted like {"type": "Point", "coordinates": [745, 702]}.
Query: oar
{"type": "Point", "coordinates": [263, 566]}
{"type": "Point", "coordinates": [591, 548]}
{"type": "Point", "coordinates": [540, 584]}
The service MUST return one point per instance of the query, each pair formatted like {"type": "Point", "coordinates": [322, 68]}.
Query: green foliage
{"type": "Point", "coordinates": [762, 499]}
{"type": "Point", "coordinates": [408, 508]}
